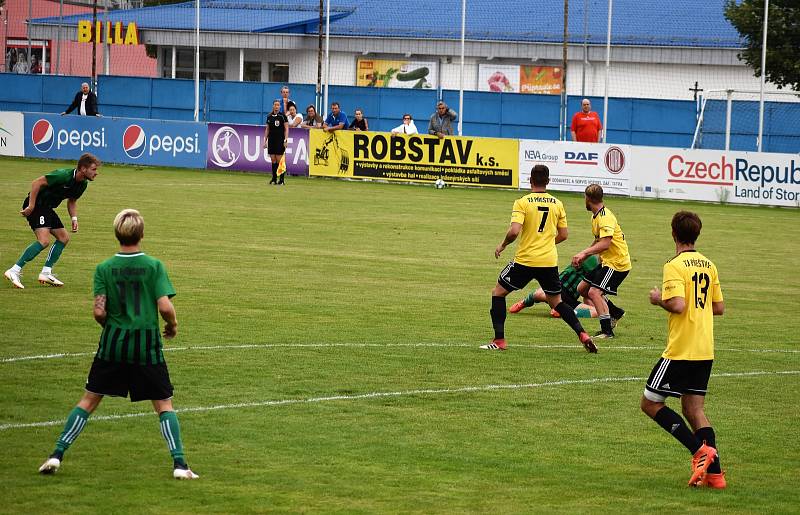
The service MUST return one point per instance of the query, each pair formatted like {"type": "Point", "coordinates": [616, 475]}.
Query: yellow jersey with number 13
{"type": "Point", "coordinates": [691, 334]}
{"type": "Point", "coordinates": [540, 214]}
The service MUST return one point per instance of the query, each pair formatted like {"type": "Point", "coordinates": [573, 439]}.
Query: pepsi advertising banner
{"type": "Point", "coordinates": [116, 140]}
{"type": "Point", "coordinates": [241, 147]}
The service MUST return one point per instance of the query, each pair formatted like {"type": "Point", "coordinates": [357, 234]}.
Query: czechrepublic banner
{"type": "Point", "coordinates": [417, 158]}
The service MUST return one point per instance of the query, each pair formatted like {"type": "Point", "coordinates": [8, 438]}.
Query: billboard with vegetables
{"type": "Point", "coordinates": [385, 73]}
{"type": "Point", "coordinates": [514, 78]}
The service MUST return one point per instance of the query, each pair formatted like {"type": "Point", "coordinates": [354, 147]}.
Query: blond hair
{"type": "Point", "coordinates": [129, 227]}
{"type": "Point", "coordinates": [594, 192]}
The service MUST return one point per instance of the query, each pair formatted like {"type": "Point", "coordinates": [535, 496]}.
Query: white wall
{"type": "Point", "coordinates": [648, 80]}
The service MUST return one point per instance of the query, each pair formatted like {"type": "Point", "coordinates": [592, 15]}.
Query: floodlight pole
{"type": "Point", "coordinates": [562, 122]}
{"type": "Point", "coordinates": [327, 55]}
{"type": "Point", "coordinates": [58, 38]}
{"type": "Point", "coordinates": [461, 73]}
{"type": "Point", "coordinates": [728, 110]}
{"type": "Point", "coordinates": [608, 67]}
{"type": "Point", "coordinates": [197, 60]}
{"type": "Point", "coordinates": [763, 73]}
{"type": "Point", "coordinates": [318, 92]}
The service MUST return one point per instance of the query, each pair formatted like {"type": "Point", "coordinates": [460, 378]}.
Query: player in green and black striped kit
{"type": "Point", "coordinates": [570, 278]}
{"type": "Point", "coordinates": [131, 290]}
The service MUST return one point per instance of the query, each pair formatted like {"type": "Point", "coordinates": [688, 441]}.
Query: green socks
{"type": "Point", "coordinates": [76, 421]}
{"type": "Point", "coordinates": [31, 252]}
{"type": "Point", "coordinates": [528, 300]}
{"type": "Point", "coordinates": [55, 253]}
{"type": "Point", "coordinates": [171, 431]}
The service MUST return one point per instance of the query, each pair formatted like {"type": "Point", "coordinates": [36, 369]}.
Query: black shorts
{"type": "Point", "coordinates": [675, 378]}
{"type": "Point", "coordinates": [606, 279]}
{"type": "Point", "coordinates": [275, 146]}
{"type": "Point", "coordinates": [144, 382]}
{"type": "Point", "coordinates": [43, 217]}
{"type": "Point", "coordinates": [568, 299]}
{"type": "Point", "coordinates": [515, 277]}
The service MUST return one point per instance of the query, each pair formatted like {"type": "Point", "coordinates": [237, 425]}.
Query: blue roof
{"type": "Point", "coordinates": [634, 22]}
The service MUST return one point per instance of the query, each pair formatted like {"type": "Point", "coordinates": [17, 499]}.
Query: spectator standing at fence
{"type": "Point", "coordinates": [359, 123]}
{"type": "Point", "coordinates": [285, 100]}
{"type": "Point", "coordinates": [407, 127]}
{"type": "Point", "coordinates": [336, 119]}
{"type": "Point", "coordinates": [586, 125]}
{"type": "Point", "coordinates": [85, 101]}
{"type": "Point", "coordinates": [442, 120]}
{"type": "Point", "coordinates": [312, 119]}
{"type": "Point", "coordinates": [36, 66]}
{"type": "Point", "coordinates": [21, 65]}
{"type": "Point", "coordinates": [276, 135]}
{"type": "Point", "coordinates": [294, 119]}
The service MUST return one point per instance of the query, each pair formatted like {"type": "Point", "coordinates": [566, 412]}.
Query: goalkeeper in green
{"type": "Point", "coordinates": [570, 278]}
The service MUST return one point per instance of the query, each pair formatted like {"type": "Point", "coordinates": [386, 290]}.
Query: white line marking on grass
{"type": "Point", "coordinates": [377, 395]}
{"type": "Point", "coordinates": [37, 357]}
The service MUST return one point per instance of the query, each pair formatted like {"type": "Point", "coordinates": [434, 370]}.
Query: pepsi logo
{"type": "Point", "coordinates": [42, 135]}
{"type": "Point", "coordinates": [133, 141]}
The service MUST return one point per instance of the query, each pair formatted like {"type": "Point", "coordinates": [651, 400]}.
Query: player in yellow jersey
{"type": "Point", "coordinates": [615, 261]}
{"type": "Point", "coordinates": [692, 296]}
{"type": "Point", "coordinates": [540, 221]}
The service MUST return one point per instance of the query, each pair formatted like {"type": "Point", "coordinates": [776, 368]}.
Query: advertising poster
{"type": "Point", "coordinates": [116, 140]}
{"type": "Point", "coordinates": [12, 134]}
{"type": "Point", "coordinates": [372, 155]}
{"type": "Point", "coordinates": [514, 78]}
{"type": "Point", "coordinates": [241, 147]}
{"type": "Point", "coordinates": [385, 73]}
{"type": "Point", "coordinates": [573, 166]}
{"type": "Point", "coordinates": [540, 80]}
{"type": "Point", "coordinates": [717, 176]}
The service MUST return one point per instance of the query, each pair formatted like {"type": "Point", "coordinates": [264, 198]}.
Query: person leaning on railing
{"type": "Point", "coordinates": [312, 119]}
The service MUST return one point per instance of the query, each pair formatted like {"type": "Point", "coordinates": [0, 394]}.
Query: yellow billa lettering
{"type": "Point", "coordinates": [132, 34]}
{"type": "Point", "coordinates": [98, 30]}
{"type": "Point", "coordinates": [84, 31]}
{"type": "Point", "coordinates": [118, 33]}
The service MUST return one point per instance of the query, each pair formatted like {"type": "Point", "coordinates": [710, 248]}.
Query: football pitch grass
{"type": "Point", "coordinates": [327, 358]}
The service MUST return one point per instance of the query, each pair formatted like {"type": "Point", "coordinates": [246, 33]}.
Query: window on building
{"type": "Point", "coordinates": [252, 71]}
{"type": "Point", "coordinates": [279, 72]}
{"type": "Point", "coordinates": [212, 64]}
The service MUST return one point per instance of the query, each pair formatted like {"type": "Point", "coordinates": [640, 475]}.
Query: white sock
{"type": "Point", "coordinates": [16, 268]}
{"type": "Point", "coordinates": [46, 270]}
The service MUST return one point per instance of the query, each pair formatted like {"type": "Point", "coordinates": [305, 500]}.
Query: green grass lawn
{"type": "Point", "coordinates": [334, 326]}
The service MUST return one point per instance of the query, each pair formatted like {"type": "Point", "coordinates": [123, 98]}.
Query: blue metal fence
{"type": "Point", "coordinates": [668, 123]}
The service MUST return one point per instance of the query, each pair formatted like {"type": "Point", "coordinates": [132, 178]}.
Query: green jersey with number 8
{"type": "Point", "coordinates": [132, 284]}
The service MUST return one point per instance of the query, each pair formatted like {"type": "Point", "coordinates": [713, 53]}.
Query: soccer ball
{"type": "Point", "coordinates": [440, 183]}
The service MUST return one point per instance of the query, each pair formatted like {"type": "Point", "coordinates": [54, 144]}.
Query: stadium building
{"type": "Point", "coordinates": [658, 49]}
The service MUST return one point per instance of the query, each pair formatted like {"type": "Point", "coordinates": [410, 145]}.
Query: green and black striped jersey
{"type": "Point", "coordinates": [132, 284]}
{"type": "Point", "coordinates": [61, 184]}
{"type": "Point", "coordinates": [571, 277]}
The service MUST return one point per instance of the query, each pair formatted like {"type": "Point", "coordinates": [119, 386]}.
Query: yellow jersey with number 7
{"type": "Point", "coordinates": [540, 214]}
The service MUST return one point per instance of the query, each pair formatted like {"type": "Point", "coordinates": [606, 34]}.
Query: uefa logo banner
{"type": "Point", "coordinates": [241, 147]}
{"type": "Point", "coordinates": [12, 134]}
{"type": "Point", "coordinates": [573, 166]}
{"type": "Point", "coordinates": [116, 140]}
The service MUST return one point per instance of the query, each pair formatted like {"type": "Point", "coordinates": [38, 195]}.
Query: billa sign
{"type": "Point", "coordinates": [108, 32]}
